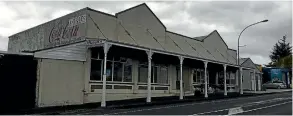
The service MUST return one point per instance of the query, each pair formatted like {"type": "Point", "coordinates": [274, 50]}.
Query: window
{"type": "Point", "coordinates": [232, 75]}
{"type": "Point", "coordinates": [96, 70]}
{"type": "Point", "coordinates": [198, 76]}
{"type": "Point", "coordinates": [127, 72]}
{"type": "Point", "coordinates": [159, 74]}
{"type": "Point", "coordinates": [163, 75]}
{"type": "Point", "coordinates": [178, 73]}
{"type": "Point", "coordinates": [194, 75]}
{"type": "Point", "coordinates": [143, 73]}
{"type": "Point", "coordinates": [109, 71]}
{"type": "Point", "coordinates": [154, 71]}
{"type": "Point", "coordinates": [118, 71]}
{"type": "Point", "coordinates": [221, 77]}
{"type": "Point", "coordinates": [201, 76]}
{"type": "Point", "coordinates": [232, 78]}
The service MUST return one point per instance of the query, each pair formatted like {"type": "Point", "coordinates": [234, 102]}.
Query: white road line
{"type": "Point", "coordinates": [266, 107]}
{"type": "Point", "coordinates": [173, 106]}
{"type": "Point", "coordinates": [235, 110]}
{"type": "Point", "coordinates": [239, 107]}
{"type": "Point", "coordinates": [212, 111]}
{"type": "Point", "coordinates": [264, 101]}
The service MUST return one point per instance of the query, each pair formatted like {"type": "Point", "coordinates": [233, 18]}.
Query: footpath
{"type": "Point", "coordinates": [134, 103]}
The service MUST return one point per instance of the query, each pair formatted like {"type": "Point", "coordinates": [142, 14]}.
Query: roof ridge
{"type": "Point", "coordinates": [142, 4]}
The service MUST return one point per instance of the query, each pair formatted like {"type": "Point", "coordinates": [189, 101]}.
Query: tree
{"type": "Point", "coordinates": [285, 62]}
{"type": "Point", "coordinates": [271, 64]}
{"type": "Point", "coordinates": [280, 50]}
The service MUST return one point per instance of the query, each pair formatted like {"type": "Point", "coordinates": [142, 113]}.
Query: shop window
{"type": "Point", "coordinates": [177, 73]}
{"type": "Point", "coordinates": [159, 74]}
{"type": "Point", "coordinates": [96, 70]}
{"type": "Point", "coordinates": [197, 76]}
{"type": "Point", "coordinates": [143, 73]}
{"type": "Point", "coordinates": [154, 71]}
{"type": "Point", "coordinates": [118, 69]}
{"type": "Point", "coordinates": [127, 72]}
{"type": "Point", "coordinates": [201, 76]}
{"type": "Point", "coordinates": [163, 75]}
{"type": "Point", "coordinates": [194, 76]}
{"type": "Point", "coordinates": [232, 78]}
{"type": "Point", "coordinates": [221, 77]}
{"type": "Point", "coordinates": [109, 70]}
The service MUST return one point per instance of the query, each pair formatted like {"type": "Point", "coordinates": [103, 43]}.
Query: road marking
{"type": "Point", "coordinates": [266, 107]}
{"type": "Point", "coordinates": [264, 101]}
{"type": "Point", "coordinates": [236, 110]}
{"type": "Point", "coordinates": [174, 106]}
{"type": "Point", "coordinates": [212, 111]}
{"type": "Point", "coordinates": [239, 109]}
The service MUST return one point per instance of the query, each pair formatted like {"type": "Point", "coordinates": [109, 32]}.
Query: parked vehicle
{"type": "Point", "coordinates": [274, 85]}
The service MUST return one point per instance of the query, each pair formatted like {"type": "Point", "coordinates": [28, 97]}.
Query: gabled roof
{"type": "Point", "coordinates": [242, 60]}
{"type": "Point", "coordinates": [200, 38]}
{"type": "Point", "coordinates": [182, 35]}
{"type": "Point", "coordinates": [90, 9]}
{"type": "Point", "coordinates": [177, 43]}
{"type": "Point", "coordinates": [143, 4]}
{"type": "Point", "coordinates": [215, 31]}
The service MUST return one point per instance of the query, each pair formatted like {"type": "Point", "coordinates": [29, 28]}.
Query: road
{"type": "Point", "coordinates": [270, 104]}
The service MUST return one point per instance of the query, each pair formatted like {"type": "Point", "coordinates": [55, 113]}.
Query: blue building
{"type": "Point", "coordinates": [274, 73]}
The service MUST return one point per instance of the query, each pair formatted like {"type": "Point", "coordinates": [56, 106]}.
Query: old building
{"type": "Point", "coordinates": [252, 79]}
{"type": "Point", "coordinates": [144, 59]}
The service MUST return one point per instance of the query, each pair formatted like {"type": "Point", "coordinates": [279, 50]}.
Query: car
{"type": "Point", "coordinates": [274, 85]}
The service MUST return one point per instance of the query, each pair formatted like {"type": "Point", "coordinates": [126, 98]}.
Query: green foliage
{"type": "Point", "coordinates": [285, 62]}
{"type": "Point", "coordinates": [281, 56]}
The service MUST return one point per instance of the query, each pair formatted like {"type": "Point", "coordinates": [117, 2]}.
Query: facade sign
{"type": "Point", "coordinates": [65, 30]}
{"type": "Point", "coordinates": [62, 34]}
{"type": "Point", "coordinates": [77, 20]}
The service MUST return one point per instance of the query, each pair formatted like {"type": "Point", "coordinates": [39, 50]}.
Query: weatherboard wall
{"type": "Point", "coordinates": [75, 51]}
{"type": "Point", "coordinates": [60, 82]}
{"type": "Point", "coordinates": [65, 30]}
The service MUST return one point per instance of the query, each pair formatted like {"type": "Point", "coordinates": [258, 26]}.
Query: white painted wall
{"type": "Point", "coordinates": [246, 79]}
{"type": "Point", "coordinates": [60, 82]}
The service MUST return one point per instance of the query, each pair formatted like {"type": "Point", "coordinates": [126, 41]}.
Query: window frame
{"type": "Point", "coordinates": [153, 66]}
{"type": "Point", "coordinates": [112, 73]}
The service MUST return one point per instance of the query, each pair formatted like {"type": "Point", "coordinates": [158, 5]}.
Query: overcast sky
{"type": "Point", "coordinates": [192, 18]}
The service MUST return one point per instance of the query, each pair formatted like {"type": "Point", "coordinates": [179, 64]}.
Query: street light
{"type": "Point", "coordinates": [242, 32]}
{"type": "Point", "coordinates": [243, 46]}
{"type": "Point", "coordinates": [238, 62]}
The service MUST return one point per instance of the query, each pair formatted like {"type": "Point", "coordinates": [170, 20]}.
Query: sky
{"type": "Point", "coordinates": [190, 18]}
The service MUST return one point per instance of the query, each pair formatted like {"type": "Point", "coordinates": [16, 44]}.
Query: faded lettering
{"type": "Point", "coordinates": [61, 33]}
{"type": "Point", "coordinates": [77, 20]}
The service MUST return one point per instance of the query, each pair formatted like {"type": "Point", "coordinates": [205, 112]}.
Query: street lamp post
{"type": "Point", "coordinates": [243, 46]}
{"type": "Point", "coordinates": [238, 59]}
{"type": "Point", "coordinates": [242, 32]}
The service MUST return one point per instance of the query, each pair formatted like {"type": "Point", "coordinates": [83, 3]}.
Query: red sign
{"type": "Point", "coordinates": [59, 33]}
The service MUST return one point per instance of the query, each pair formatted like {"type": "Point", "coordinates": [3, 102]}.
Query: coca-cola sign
{"type": "Point", "coordinates": [67, 33]}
